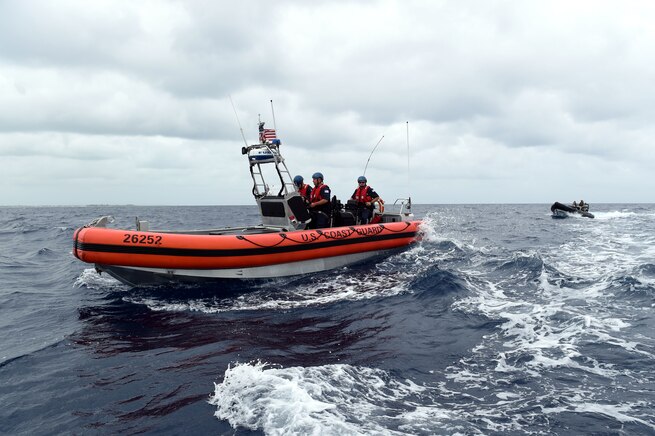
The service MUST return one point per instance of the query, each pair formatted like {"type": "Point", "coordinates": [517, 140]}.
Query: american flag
{"type": "Point", "coordinates": [266, 135]}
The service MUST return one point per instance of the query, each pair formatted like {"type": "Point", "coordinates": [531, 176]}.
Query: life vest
{"type": "Point", "coordinates": [303, 190]}
{"type": "Point", "coordinates": [316, 193]}
{"type": "Point", "coordinates": [361, 195]}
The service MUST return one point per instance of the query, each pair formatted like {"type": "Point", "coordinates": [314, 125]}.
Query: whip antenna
{"type": "Point", "coordinates": [273, 112]}
{"type": "Point", "coordinates": [369, 156]}
{"type": "Point", "coordinates": [407, 123]}
{"type": "Point", "coordinates": [238, 122]}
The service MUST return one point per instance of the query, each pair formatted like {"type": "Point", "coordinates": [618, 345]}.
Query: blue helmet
{"type": "Point", "coordinates": [317, 176]}
{"type": "Point", "coordinates": [361, 179]}
{"type": "Point", "coordinates": [298, 180]}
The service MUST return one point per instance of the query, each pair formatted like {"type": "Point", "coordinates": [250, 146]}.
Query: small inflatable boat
{"type": "Point", "coordinates": [560, 210]}
{"type": "Point", "coordinates": [285, 244]}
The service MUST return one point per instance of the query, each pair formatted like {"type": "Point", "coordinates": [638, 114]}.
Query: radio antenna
{"type": "Point", "coordinates": [273, 112]}
{"type": "Point", "coordinates": [238, 122]}
{"type": "Point", "coordinates": [369, 156]}
{"type": "Point", "coordinates": [410, 200]}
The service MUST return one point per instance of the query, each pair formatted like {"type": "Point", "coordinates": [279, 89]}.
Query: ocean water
{"type": "Point", "coordinates": [501, 321]}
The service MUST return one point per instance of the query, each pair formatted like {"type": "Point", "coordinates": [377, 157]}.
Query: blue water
{"type": "Point", "coordinates": [501, 321]}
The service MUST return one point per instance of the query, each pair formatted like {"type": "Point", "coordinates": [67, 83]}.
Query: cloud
{"type": "Point", "coordinates": [507, 102]}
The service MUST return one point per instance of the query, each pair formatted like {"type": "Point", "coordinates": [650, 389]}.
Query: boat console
{"type": "Point", "coordinates": [284, 211]}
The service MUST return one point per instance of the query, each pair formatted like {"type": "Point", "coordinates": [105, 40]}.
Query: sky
{"type": "Point", "coordinates": [141, 102]}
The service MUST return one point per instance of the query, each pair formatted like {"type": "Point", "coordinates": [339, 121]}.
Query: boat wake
{"type": "Point", "coordinates": [364, 282]}
{"type": "Point", "coordinates": [610, 215]}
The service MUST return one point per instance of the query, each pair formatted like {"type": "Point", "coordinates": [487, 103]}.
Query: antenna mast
{"type": "Point", "coordinates": [407, 124]}
{"type": "Point", "coordinates": [238, 122]}
{"type": "Point", "coordinates": [369, 156]}
{"type": "Point", "coordinates": [273, 112]}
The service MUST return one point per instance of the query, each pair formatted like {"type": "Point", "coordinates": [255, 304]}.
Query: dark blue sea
{"type": "Point", "coordinates": [501, 321]}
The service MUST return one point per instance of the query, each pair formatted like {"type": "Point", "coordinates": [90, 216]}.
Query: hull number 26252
{"type": "Point", "coordinates": [132, 238]}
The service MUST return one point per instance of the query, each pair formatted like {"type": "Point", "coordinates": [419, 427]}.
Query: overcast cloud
{"type": "Point", "coordinates": [127, 102]}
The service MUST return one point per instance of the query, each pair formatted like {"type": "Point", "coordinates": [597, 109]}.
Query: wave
{"type": "Point", "coordinates": [615, 214]}
{"type": "Point", "coordinates": [347, 284]}
{"type": "Point", "coordinates": [44, 345]}
{"type": "Point", "coordinates": [46, 252]}
{"type": "Point", "coordinates": [90, 279]}
{"type": "Point", "coordinates": [436, 281]}
{"type": "Point", "coordinates": [329, 399]}
{"type": "Point", "coordinates": [347, 399]}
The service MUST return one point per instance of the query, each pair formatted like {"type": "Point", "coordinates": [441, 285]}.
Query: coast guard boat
{"type": "Point", "coordinates": [284, 244]}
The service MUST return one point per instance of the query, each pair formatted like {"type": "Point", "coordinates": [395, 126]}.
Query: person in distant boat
{"type": "Point", "coordinates": [319, 202]}
{"type": "Point", "coordinates": [366, 197]}
{"type": "Point", "coordinates": [303, 188]}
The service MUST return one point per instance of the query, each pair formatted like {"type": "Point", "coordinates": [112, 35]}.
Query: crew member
{"type": "Point", "coordinates": [303, 188]}
{"type": "Point", "coordinates": [319, 202]}
{"type": "Point", "coordinates": [366, 197]}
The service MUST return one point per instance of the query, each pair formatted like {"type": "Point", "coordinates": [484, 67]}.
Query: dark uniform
{"type": "Point", "coordinates": [320, 213]}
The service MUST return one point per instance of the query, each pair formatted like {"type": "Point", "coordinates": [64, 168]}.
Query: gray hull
{"type": "Point", "coordinates": [140, 276]}
{"type": "Point", "coordinates": [560, 210]}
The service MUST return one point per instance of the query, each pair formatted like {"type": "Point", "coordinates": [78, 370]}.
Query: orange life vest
{"type": "Point", "coordinates": [303, 190]}
{"type": "Point", "coordinates": [316, 193]}
{"type": "Point", "coordinates": [361, 194]}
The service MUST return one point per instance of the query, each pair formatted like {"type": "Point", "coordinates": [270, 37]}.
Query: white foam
{"type": "Point", "coordinates": [619, 412]}
{"type": "Point", "coordinates": [343, 286]}
{"type": "Point", "coordinates": [614, 214]}
{"type": "Point", "coordinates": [90, 278]}
{"type": "Point", "coordinates": [507, 395]}
{"type": "Point", "coordinates": [437, 228]}
{"type": "Point", "coordinates": [389, 277]}
{"type": "Point", "coordinates": [546, 329]}
{"type": "Point", "coordinates": [341, 399]}
{"type": "Point", "coordinates": [330, 399]}
{"type": "Point", "coordinates": [428, 229]}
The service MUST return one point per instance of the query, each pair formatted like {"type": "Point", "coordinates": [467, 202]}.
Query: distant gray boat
{"type": "Point", "coordinates": [560, 210]}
